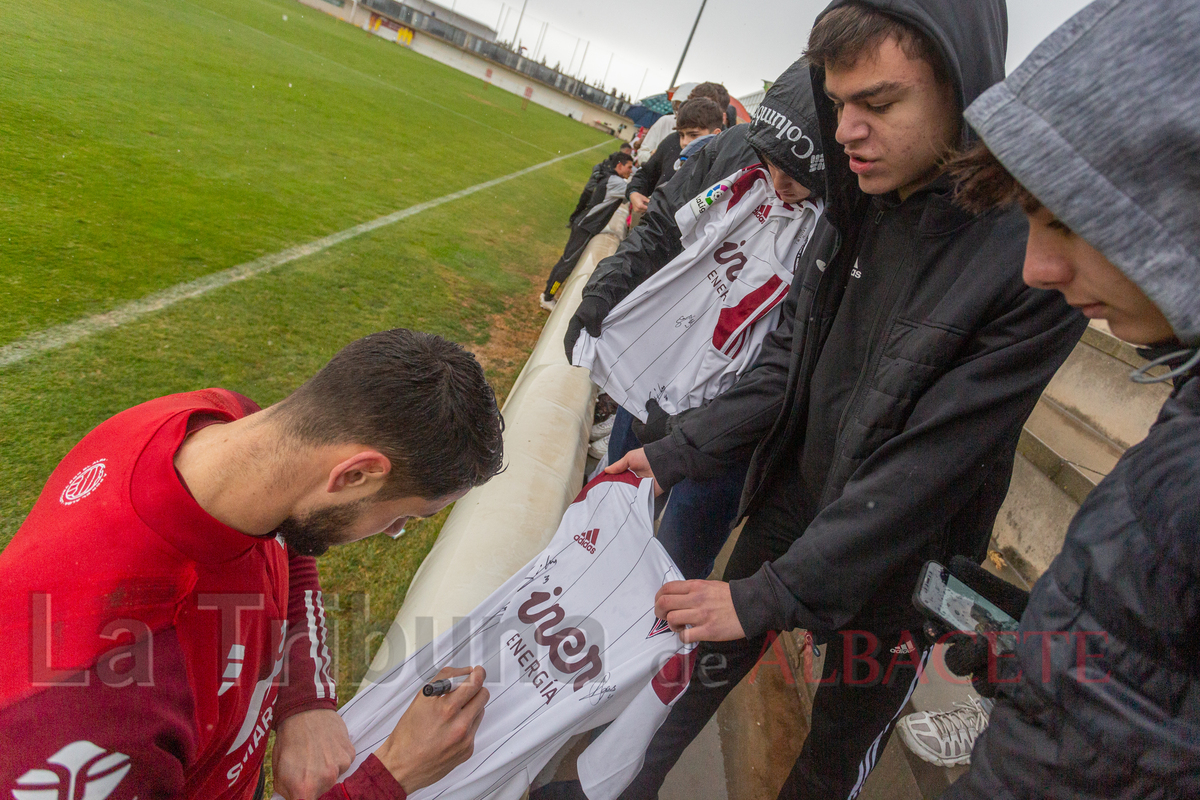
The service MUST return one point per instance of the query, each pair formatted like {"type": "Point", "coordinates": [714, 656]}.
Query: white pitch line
{"type": "Point", "coordinates": [62, 335]}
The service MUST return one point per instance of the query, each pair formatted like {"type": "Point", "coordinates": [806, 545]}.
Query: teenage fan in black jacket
{"type": "Point", "coordinates": [883, 414]}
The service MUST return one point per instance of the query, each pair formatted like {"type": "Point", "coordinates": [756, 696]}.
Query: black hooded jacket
{"type": "Point", "coordinates": [656, 241]}
{"type": "Point", "coordinates": [883, 414]}
{"type": "Point", "coordinates": [599, 176]}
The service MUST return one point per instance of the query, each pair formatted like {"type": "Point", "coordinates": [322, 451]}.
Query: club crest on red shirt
{"type": "Point", "coordinates": [84, 483]}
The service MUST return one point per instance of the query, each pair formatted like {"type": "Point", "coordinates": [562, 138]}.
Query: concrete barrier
{"type": "Point", "coordinates": [497, 528]}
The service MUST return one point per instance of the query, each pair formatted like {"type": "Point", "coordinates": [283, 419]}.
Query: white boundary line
{"type": "Point", "coordinates": [62, 335]}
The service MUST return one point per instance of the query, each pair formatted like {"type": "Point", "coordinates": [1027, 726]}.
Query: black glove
{"type": "Point", "coordinates": [655, 426]}
{"type": "Point", "coordinates": [590, 315]}
{"type": "Point", "coordinates": [972, 653]}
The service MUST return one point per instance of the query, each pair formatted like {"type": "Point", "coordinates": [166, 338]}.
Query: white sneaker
{"type": "Point", "coordinates": [602, 429]}
{"type": "Point", "coordinates": [599, 448]}
{"type": "Point", "coordinates": [547, 304]}
{"type": "Point", "coordinates": [944, 738]}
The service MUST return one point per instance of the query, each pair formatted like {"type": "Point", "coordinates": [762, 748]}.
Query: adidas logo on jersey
{"type": "Point", "coordinates": [587, 539]}
{"type": "Point", "coordinates": [104, 772]}
{"type": "Point", "coordinates": [762, 212]}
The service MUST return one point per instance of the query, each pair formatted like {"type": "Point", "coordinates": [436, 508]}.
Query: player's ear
{"type": "Point", "coordinates": [366, 469]}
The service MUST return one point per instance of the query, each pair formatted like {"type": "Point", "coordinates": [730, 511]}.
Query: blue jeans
{"type": "Point", "coordinates": [699, 514]}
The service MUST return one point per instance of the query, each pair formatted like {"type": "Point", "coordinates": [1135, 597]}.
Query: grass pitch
{"type": "Point", "coordinates": [146, 142]}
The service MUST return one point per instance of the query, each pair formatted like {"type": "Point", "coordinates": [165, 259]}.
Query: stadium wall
{"type": "Point", "coordinates": [490, 73]}
{"type": "Point", "coordinates": [521, 85]}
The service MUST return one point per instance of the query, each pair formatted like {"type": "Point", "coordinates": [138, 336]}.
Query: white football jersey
{"type": "Point", "coordinates": [687, 333]}
{"type": "Point", "coordinates": [569, 643]}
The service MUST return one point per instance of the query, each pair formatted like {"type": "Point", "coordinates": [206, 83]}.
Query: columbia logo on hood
{"type": "Point", "coordinates": [786, 129]}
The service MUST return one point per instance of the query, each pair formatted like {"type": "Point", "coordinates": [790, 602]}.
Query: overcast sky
{"type": "Point", "coordinates": [740, 49]}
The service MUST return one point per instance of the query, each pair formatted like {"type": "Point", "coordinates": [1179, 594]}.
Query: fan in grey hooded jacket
{"type": "Point", "coordinates": [1101, 124]}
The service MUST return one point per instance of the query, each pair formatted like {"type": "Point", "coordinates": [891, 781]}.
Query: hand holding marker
{"type": "Point", "coordinates": [443, 686]}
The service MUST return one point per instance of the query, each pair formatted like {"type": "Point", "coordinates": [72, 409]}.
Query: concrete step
{"type": "Point", "coordinates": [1094, 387]}
{"type": "Point", "coordinates": [1085, 420]}
{"type": "Point", "coordinates": [1073, 439]}
{"type": "Point", "coordinates": [1044, 495]}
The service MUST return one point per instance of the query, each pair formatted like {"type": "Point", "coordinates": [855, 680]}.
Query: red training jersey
{"type": "Point", "coordinates": [152, 648]}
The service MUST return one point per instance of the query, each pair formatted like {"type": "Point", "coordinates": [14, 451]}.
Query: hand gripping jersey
{"type": "Point", "coordinates": [569, 643]}
{"type": "Point", "coordinates": [689, 331]}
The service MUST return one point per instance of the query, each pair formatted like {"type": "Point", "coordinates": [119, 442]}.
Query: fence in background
{"type": "Point", "coordinates": [494, 52]}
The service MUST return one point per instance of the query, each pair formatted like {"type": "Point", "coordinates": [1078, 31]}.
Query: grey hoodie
{"type": "Point", "coordinates": [1101, 698]}
{"type": "Point", "coordinates": [1116, 160]}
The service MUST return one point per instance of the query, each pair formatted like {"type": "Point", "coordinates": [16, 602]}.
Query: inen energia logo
{"type": "Point", "coordinates": [566, 642]}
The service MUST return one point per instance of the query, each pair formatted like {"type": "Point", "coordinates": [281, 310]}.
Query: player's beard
{"type": "Point", "coordinates": [317, 531]}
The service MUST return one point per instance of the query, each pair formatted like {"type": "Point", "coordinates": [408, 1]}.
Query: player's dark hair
{"type": "Point", "coordinates": [619, 158]}
{"type": "Point", "coordinates": [625, 147]}
{"type": "Point", "coordinates": [853, 31]}
{"type": "Point", "coordinates": [418, 399]}
{"type": "Point", "coordinates": [713, 91]}
{"type": "Point", "coordinates": [700, 112]}
{"type": "Point", "coordinates": [983, 183]}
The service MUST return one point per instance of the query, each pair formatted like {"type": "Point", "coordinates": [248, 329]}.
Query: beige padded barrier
{"type": "Point", "coordinates": [498, 527]}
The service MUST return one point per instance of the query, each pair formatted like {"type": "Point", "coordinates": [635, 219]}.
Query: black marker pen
{"type": "Point", "coordinates": [444, 686]}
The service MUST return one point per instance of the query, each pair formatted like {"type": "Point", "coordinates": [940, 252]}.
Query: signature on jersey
{"type": "Point", "coordinates": [600, 691]}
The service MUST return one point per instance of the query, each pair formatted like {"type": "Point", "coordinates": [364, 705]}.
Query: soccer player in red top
{"type": "Point", "coordinates": [162, 602]}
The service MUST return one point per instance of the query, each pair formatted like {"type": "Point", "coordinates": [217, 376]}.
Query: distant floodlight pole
{"type": "Point", "coordinates": [586, 45]}
{"type": "Point", "coordinates": [640, 85]}
{"type": "Point", "coordinates": [571, 63]}
{"type": "Point", "coordinates": [517, 32]}
{"type": "Point", "coordinates": [541, 39]}
{"type": "Point", "coordinates": [499, 18]}
{"type": "Point", "coordinates": [695, 24]}
{"type": "Point", "coordinates": [606, 69]}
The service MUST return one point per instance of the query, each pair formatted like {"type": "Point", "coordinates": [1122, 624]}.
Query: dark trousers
{"type": "Point", "coordinates": [864, 687]}
{"type": "Point", "coordinates": [559, 273]}
{"type": "Point", "coordinates": [698, 516]}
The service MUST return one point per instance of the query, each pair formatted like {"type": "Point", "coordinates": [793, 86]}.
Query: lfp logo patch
{"type": "Point", "coordinates": [84, 483]}
{"type": "Point", "coordinates": [704, 201]}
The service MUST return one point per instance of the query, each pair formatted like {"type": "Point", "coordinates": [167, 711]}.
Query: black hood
{"type": "Point", "coordinates": [972, 36]}
{"type": "Point", "coordinates": [785, 129]}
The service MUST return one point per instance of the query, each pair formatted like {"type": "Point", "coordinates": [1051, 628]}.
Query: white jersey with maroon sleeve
{"type": "Point", "coordinates": [569, 643]}
{"type": "Point", "coordinates": [687, 333]}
